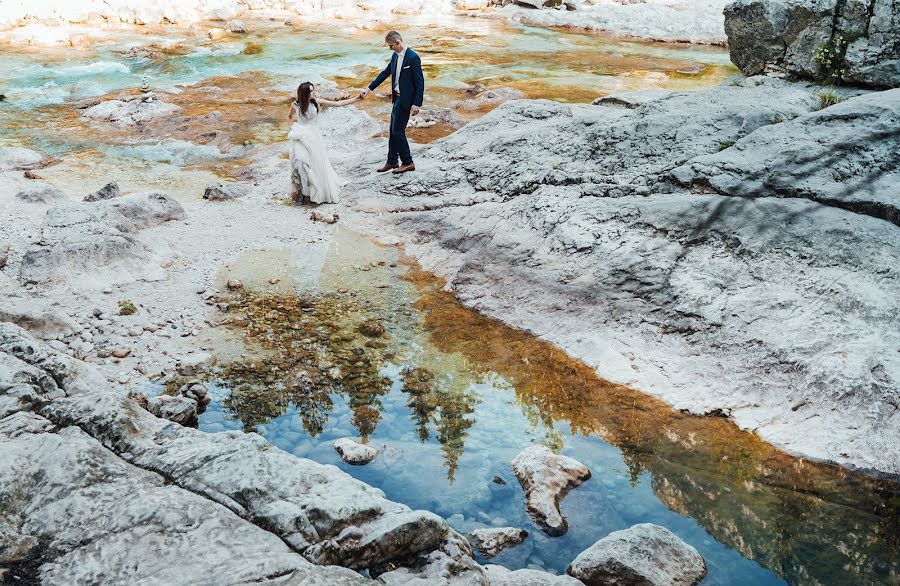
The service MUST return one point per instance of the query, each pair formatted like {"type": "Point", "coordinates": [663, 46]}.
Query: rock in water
{"type": "Point", "coordinates": [645, 554]}
{"type": "Point", "coordinates": [492, 540]}
{"type": "Point", "coordinates": [181, 410]}
{"type": "Point", "coordinates": [108, 191]}
{"type": "Point", "coordinates": [225, 192]}
{"type": "Point", "coordinates": [855, 41]}
{"type": "Point", "coordinates": [546, 477]}
{"type": "Point", "coordinates": [353, 452]}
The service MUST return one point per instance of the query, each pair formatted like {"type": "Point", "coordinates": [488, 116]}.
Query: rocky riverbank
{"type": "Point", "coordinates": [731, 251]}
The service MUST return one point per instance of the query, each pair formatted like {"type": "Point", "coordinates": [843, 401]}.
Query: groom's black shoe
{"type": "Point", "coordinates": [405, 168]}
{"type": "Point", "coordinates": [388, 167]}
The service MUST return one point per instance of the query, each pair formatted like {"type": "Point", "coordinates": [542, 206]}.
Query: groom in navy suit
{"type": "Point", "coordinates": [407, 91]}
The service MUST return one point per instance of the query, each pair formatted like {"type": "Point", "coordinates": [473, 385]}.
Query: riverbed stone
{"type": "Point", "coordinates": [225, 191]}
{"type": "Point", "coordinates": [149, 208]}
{"type": "Point", "coordinates": [129, 112]}
{"type": "Point", "coordinates": [40, 192]}
{"type": "Point", "coordinates": [353, 452]}
{"type": "Point", "coordinates": [546, 478]}
{"type": "Point", "coordinates": [181, 410]}
{"type": "Point", "coordinates": [642, 554]}
{"type": "Point", "coordinates": [490, 541]}
{"type": "Point", "coordinates": [108, 191]}
{"type": "Point", "coordinates": [37, 317]}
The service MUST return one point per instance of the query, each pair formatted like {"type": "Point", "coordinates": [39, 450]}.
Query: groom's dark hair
{"type": "Point", "coordinates": [392, 36]}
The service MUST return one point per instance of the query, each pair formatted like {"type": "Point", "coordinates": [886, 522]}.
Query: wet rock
{"type": "Point", "coordinates": [853, 41]}
{"type": "Point", "coordinates": [546, 477]}
{"type": "Point", "coordinates": [40, 192]}
{"type": "Point", "coordinates": [225, 191]}
{"type": "Point", "coordinates": [372, 328]}
{"type": "Point", "coordinates": [149, 209]}
{"type": "Point", "coordinates": [642, 554]}
{"type": "Point", "coordinates": [108, 191]}
{"type": "Point", "coordinates": [498, 480]}
{"type": "Point", "coordinates": [492, 540]}
{"type": "Point", "coordinates": [181, 410]}
{"type": "Point", "coordinates": [19, 158]}
{"type": "Point", "coordinates": [353, 452]}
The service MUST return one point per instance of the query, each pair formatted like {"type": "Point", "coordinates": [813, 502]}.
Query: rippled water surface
{"type": "Point", "coordinates": [450, 397]}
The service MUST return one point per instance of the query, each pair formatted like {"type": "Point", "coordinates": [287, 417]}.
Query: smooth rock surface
{"type": "Point", "coordinates": [225, 192]}
{"type": "Point", "coordinates": [546, 478]}
{"type": "Point", "coordinates": [129, 113]}
{"type": "Point", "coordinates": [20, 158]}
{"type": "Point", "coordinates": [354, 452]}
{"type": "Point", "coordinates": [644, 554]}
{"type": "Point", "coordinates": [181, 410]}
{"type": "Point", "coordinates": [40, 192]}
{"type": "Point", "coordinates": [149, 209]}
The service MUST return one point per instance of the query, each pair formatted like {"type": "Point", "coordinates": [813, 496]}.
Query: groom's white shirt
{"type": "Point", "coordinates": [398, 68]}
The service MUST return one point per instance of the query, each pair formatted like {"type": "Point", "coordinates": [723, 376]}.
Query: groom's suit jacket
{"type": "Point", "coordinates": [412, 80]}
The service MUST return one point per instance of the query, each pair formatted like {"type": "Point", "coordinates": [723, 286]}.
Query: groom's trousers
{"type": "Point", "coordinates": [398, 146]}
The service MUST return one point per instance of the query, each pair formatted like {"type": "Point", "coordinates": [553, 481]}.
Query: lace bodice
{"type": "Point", "coordinates": [310, 117]}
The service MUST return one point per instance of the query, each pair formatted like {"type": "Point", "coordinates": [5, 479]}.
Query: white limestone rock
{"type": "Point", "coordinates": [72, 512]}
{"type": "Point", "coordinates": [131, 112]}
{"type": "Point", "coordinates": [318, 510]}
{"type": "Point", "coordinates": [646, 279]}
{"type": "Point", "coordinates": [108, 191]}
{"type": "Point", "coordinates": [20, 158]}
{"type": "Point", "coordinates": [37, 317]}
{"type": "Point", "coordinates": [546, 478]}
{"type": "Point", "coordinates": [149, 208]}
{"type": "Point", "coordinates": [40, 192]}
{"type": "Point", "coordinates": [490, 541]}
{"type": "Point", "coordinates": [353, 452]}
{"type": "Point", "coordinates": [642, 554]}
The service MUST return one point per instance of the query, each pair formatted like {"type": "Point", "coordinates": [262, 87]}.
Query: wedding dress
{"type": "Point", "coordinates": [311, 171]}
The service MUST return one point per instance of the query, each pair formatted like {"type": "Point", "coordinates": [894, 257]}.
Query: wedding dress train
{"type": "Point", "coordinates": [311, 172]}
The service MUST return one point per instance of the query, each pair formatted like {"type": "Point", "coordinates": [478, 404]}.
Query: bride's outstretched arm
{"type": "Point", "coordinates": [338, 103]}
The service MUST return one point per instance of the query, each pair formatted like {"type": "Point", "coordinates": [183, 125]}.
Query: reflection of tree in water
{"type": "Point", "coordinates": [808, 522]}
{"type": "Point", "coordinates": [313, 350]}
{"type": "Point", "coordinates": [447, 404]}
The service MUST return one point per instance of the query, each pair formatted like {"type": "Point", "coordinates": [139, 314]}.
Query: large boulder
{"type": "Point", "coordinates": [546, 478]}
{"type": "Point", "coordinates": [129, 112]}
{"type": "Point", "coordinates": [71, 512]}
{"type": "Point", "coordinates": [645, 555]}
{"type": "Point", "coordinates": [855, 41]}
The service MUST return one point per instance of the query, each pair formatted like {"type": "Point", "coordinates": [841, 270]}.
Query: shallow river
{"type": "Point", "coordinates": [448, 396]}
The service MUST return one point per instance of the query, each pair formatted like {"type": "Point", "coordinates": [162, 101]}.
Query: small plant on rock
{"type": "Point", "coordinates": [828, 98]}
{"type": "Point", "coordinates": [832, 56]}
{"type": "Point", "coordinates": [126, 307]}
{"type": "Point", "coordinates": [725, 144]}
{"type": "Point", "coordinates": [778, 118]}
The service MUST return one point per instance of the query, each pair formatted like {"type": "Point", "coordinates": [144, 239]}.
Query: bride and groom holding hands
{"type": "Point", "coordinates": [312, 177]}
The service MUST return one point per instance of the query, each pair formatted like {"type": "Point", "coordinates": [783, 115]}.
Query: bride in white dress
{"type": "Point", "coordinates": [312, 177]}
